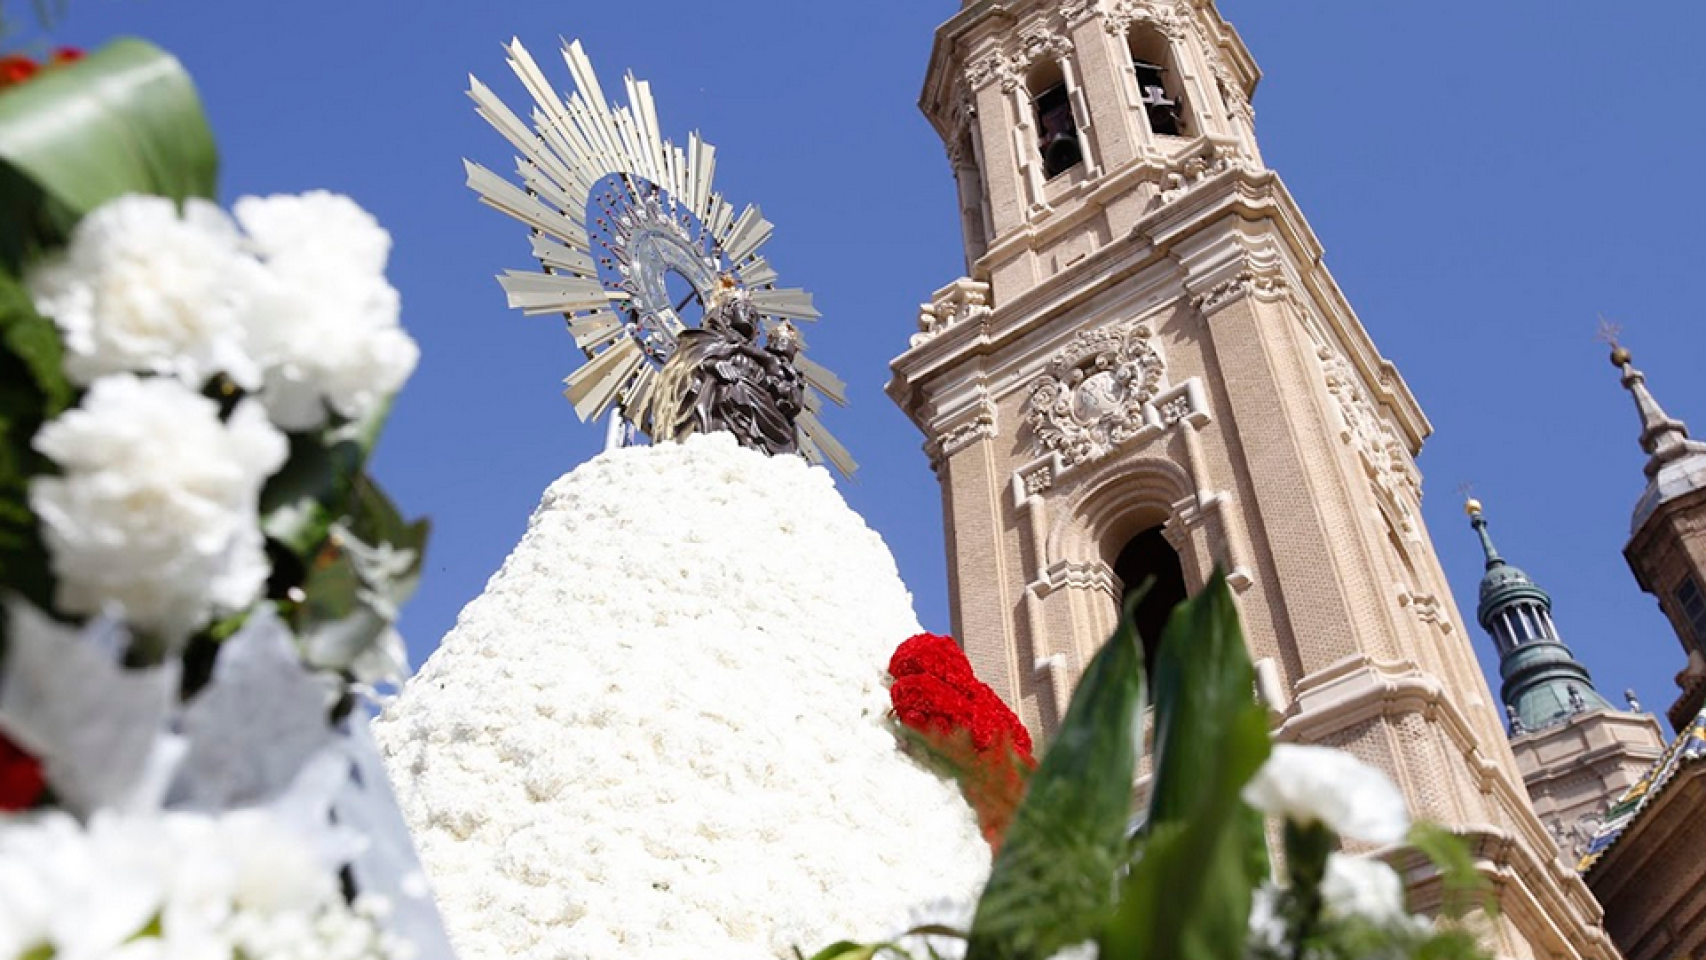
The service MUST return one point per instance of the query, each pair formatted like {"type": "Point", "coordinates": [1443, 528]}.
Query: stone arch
{"type": "Point", "coordinates": [1115, 503]}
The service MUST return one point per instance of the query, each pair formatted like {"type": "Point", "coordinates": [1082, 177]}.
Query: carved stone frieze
{"type": "Point", "coordinates": [1230, 90]}
{"type": "Point", "coordinates": [1093, 395]}
{"type": "Point", "coordinates": [1259, 283]}
{"type": "Point", "coordinates": [961, 435]}
{"type": "Point", "coordinates": [1375, 441]}
{"type": "Point", "coordinates": [1163, 14]}
{"type": "Point", "coordinates": [990, 67]}
{"type": "Point", "coordinates": [959, 302]}
{"type": "Point", "coordinates": [1040, 42]}
{"type": "Point", "coordinates": [1073, 11]}
{"type": "Point", "coordinates": [1427, 608]}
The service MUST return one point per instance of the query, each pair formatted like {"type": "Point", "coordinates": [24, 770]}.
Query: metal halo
{"type": "Point", "coordinates": [652, 212]}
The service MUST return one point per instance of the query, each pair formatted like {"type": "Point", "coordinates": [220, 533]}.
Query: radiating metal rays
{"type": "Point", "coordinates": [613, 209]}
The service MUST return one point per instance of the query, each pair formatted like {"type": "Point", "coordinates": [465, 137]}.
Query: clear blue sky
{"type": "Point", "coordinates": [1486, 177]}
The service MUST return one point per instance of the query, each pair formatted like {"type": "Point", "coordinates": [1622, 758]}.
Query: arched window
{"type": "Point", "coordinates": [1057, 128]}
{"type": "Point", "coordinates": [1149, 559]}
{"type": "Point", "coordinates": [1158, 86]}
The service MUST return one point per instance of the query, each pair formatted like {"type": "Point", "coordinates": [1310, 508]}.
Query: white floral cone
{"type": "Point", "coordinates": [660, 731]}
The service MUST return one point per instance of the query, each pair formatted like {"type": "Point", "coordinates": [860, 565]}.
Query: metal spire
{"type": "Point", "coordinates": [1472, 507]}
{"type": "Point", "coordinates": [1663, 437]}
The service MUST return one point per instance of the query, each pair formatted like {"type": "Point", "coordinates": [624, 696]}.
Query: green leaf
{"type": "Point", "coordinates": [124, 119]}
{"type": "Point", "coordinates": [301, 502]}
{"type": "Point", "coordinates": [848, 950]}
{"type": "Point", "coordinates": [32, 342]}
{"type": "Point", "coordinates": [32, 388]}
{"type": "Point", "coordinates": [1187, 897]}
{"type": "Point", "coordinates": [1203, 682]}
{"type": "Point", "coordinates": [1465, 889]}
{"type": "Point", "coordinates": [1052, 884]}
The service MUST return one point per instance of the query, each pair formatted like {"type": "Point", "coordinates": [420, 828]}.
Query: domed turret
{"type": "Point", "coordinates": [1544, 684]}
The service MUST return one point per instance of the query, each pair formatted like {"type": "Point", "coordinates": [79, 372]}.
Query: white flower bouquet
{"type": "Point", "coordinates": [198, 580]}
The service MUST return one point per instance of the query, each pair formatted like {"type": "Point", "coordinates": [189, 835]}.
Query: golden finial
{"type": "Point", "coordinates": [1608, 333]}
{"type": "Point", "coordinates": [1471, 505]}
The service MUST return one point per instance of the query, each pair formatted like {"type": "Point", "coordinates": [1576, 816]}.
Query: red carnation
{"type": "Point", "coordinates": [67, 55]}
{"type": "Point", "coordinates": [965, 725]}
{"type": "Point", "coordinates": [931, 654]}
{"type": "Point", "coordinates": [926, 704]}
{"type": "Point", "coordinates": [15, 69]}
{"type": "Point", "coordinates": [21, 782]}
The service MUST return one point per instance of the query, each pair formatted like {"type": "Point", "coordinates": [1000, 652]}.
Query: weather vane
{"type": "Point", "coordinates": [660, 279]}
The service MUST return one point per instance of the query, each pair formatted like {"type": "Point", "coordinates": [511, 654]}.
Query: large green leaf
{"type": "Point", "coordinates": [1203, 682]}
{"type": "Point", "coordinates": [1053, 882]}
{"type": "Point", "coordinates": [32, 388]}
{"type": "Point", "coordinates": [1188, 895]}
{"type": "Point", "coordinates": [124, 119]}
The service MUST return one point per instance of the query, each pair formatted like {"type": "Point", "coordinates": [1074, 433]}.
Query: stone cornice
{"type": "Point", "coordinates": [1252, 197]}
{"type": "Point", "coordinates": [1356, 689]}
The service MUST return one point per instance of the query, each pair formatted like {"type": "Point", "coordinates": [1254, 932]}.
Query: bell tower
{"type": "Point", "coordinates": [1148, 371]}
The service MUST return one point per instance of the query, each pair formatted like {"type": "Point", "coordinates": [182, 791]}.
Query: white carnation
{"type": "Point", "coordinates": [325, 327]}
{"type": "Point", "coordinates": [1309, 784]}
{"type": "Point", "coordinates": [1363, 888]}
{"type": "Point", "coordinates": [662, 733]}
{"type": "Point", "coordinates": [217, 886]}
{"type": "Point", "coordinates": [143, 288]}
{"type": "Point", "coordinates": [156, 511]}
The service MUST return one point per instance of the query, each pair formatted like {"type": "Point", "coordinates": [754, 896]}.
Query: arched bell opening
{"type": "Point", "coordinates": [1149, 565]}
{"type": "Point", "coordinates": [1058, 138]}
{"type": "Point", "coordinates": [1159, 87]}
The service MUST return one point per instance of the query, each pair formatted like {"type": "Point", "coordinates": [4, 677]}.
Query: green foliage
{"type": "Point", "coordinates": [1465, 890]}
{"type": "Point", "coordinates": [1182, 887]}
{"type": "Point", "coordinates": [124, 119]}
{"type": "Point", "coordinates": [1053, 883]}
{"type": "Point", "coordinates": [32, 388]}
{"type": "Point", "coordinates": [347, 558]}
{"type": "Point", "coordinates": [1187, 895]}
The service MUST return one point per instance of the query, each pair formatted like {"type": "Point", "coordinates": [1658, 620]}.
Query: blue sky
{"type": "Point", "coordinates": [1486, 178]}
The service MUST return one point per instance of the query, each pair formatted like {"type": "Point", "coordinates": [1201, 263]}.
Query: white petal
{"type": "Point", "coordinates": [1311, 784]}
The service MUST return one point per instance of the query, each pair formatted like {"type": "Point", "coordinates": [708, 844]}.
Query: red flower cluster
{"type": "Point", "coordinates": [965, 723]}
{"type": "Point", "coordinates": [15, 68]}
{"type": "Point", "coordinates": [21, 782]}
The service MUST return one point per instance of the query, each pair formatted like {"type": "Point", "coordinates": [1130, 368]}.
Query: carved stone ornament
{"type": "Point", "coordinates": [1073, 11]}
{"type": "Point", "coordinates": [1166, 17]}
{"type": "Point", "coordinates": [1377, 444]}
{"type": "Point", "coordinates": [990, 66]}
{"type": "Point", "coordinates": [1093, 395]}
{"type": "Point", "coordinates": [958, 302]}
{"type": "Point", "coordinates": [1040, 43]}
{"type": "Point", "coordinates": [981, 426]}
{"type": "Point", "coordinates": [1246, 282]}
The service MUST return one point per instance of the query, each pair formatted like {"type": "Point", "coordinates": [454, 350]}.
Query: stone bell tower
{"type": "Point", "coordinates": [1149, 371]}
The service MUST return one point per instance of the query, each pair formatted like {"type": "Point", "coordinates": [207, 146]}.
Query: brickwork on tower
{"type": "Point", "coordinates": [1147, 338]}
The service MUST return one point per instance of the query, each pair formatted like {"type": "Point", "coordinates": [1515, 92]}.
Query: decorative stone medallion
{"type": "Point", "coordinates": [1093, 395]}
